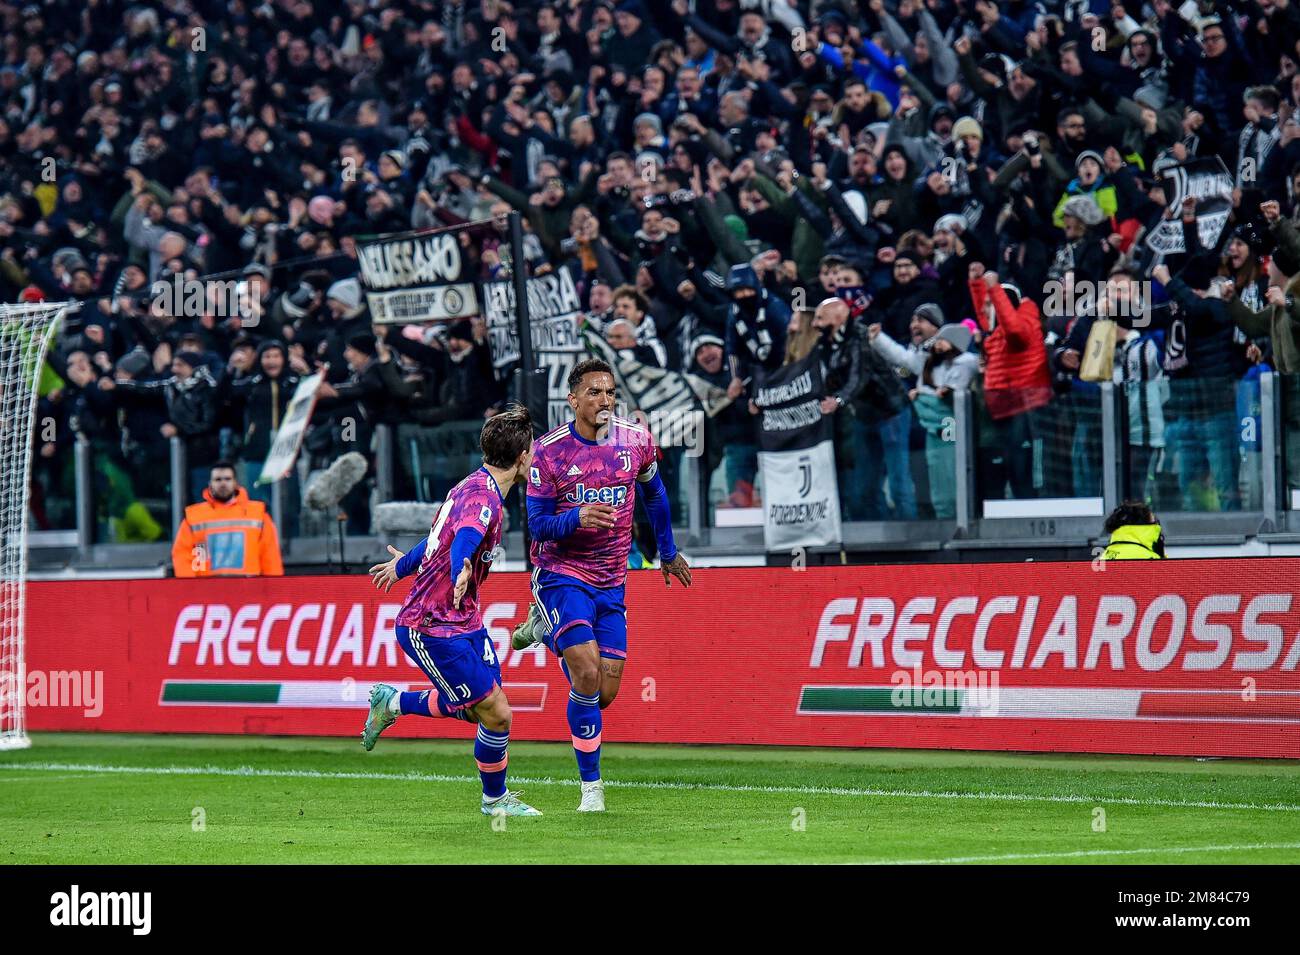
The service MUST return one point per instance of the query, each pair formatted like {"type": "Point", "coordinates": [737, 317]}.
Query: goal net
{"type": "Point", "coordinates": [25, 334]}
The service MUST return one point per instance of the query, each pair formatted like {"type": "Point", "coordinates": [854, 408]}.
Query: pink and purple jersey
{"type": "Point", "coordinates": [475, 502]}
{"type": "Point", "coordinates": [574, 471]}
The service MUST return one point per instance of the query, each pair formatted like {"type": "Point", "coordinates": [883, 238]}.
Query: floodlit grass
{"type": "Point", "coordinates": [92, 798]}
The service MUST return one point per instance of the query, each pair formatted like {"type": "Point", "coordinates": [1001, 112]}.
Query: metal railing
{"type": "Point", "coordinates": [698, 528]}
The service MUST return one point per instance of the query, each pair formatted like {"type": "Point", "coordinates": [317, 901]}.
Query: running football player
{"type": "Point", "coordinates": [440, 626]}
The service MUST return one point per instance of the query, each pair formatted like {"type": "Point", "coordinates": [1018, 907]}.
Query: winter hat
{"type": "Point", "coordinates": [1089, 154]}
{"type": "Point", "coordinates": [191, 358]}
{"type": "Point", "coordinates": [699, 341]}
{"type": "Point", "coordinates": [462, 330]}
{"type": "Point", "coordinates": [1013, 293]}
{"type": "Point", "coordinates": [1152, 95]}
{"type": "Point", "coordinates": [650, 119]}
{"type": "Point", "coordinates": [967, 126]}
{"type": "Point", "coordinates": [397, 156]}
{"type": "Point", "coordinates": [995, 64]}
{"type": "Point", "coordinates": [1248, 233]}
{"type": "Point", "coordinates": [940, 110]}
{"type": "Point", "coordinates": [31, 293]}
{"type": "Point", "coordinates": [930, 312]}
{"type": "Point", "coordinates": [134, 362]}
{"type": "Point", "coordinates": [953, 222]}
{"type": "Point", "coordinates": [1084, 209]}
{"type": "Point", "coordinates": [956, 335]}
{"type": "Point", "coordinates": [737, 226]}
{"type": "Point", "coordinates": [346, 291]}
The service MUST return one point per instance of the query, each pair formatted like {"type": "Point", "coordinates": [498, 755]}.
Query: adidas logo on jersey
{"type": "Point", "coordinates": [597, 495]}
{"type": "Point", "coordinates": [574, 471]}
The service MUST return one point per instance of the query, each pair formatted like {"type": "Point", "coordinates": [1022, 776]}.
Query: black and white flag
{"type": "Point", "coordinates": [553, 314]}
{"type": "Point", "coordinates": [796, 457]}
{"type": "Point", "coordinates": [1210, 184]}
{"type": "Point", "coordinates": [415, 277]}
{"type": "Point", "coordinates": [673, 404]}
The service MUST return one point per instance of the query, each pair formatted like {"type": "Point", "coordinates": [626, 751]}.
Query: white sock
{"type": "Point", "coordinates": [489, 800]}
{"type": "Point", "coordinates": [395, 704]}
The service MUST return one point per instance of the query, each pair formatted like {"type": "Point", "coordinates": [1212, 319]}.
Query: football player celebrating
{"type": "Point", "coordinates": [581, 503]}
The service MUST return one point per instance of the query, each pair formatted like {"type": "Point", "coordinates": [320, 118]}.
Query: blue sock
{"type": "Point", "coordinates": [416, 703]}
{"type": "Point", "coordinates": [490, 754]}
{"type": "Point", "coordinates": [584, 727]}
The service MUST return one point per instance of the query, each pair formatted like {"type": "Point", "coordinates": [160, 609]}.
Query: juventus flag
{"type": "Point", "coordinates": [1210, 183]}
{"type": "Point", "coordinates": [796, 456]}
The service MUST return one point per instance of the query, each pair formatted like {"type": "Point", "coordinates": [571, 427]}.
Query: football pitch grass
{"type": "Point", "coordinates": [98, 798]}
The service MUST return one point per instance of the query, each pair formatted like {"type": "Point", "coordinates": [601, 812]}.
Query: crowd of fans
{"type": "Point", "coordinates": [898, 184]}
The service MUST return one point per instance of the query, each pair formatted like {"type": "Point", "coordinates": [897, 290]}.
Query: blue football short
{"type": "Point", "coordinates": [572, 607]}
{"type": "Point", "coordinates": [462, 669]}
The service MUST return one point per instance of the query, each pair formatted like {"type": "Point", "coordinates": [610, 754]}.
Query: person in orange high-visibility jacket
{"type": "Point", "coordinates": [228, 535]}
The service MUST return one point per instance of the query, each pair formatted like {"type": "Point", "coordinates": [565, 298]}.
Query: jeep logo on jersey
{"type": "Point", "coordinates": [597, 495]}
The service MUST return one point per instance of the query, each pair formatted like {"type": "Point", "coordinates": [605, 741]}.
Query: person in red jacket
{"type": "Point", "coordinates": [1017, 381]}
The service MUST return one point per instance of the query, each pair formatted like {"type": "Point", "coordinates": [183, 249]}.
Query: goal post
{"type": "Point", "coordinates": [25, 335]}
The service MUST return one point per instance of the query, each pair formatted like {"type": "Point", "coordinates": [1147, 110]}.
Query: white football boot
{"type": "Point", "coordinates": [593, 796]}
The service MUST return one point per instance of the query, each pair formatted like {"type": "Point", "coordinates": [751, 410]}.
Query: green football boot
{"type": "Point", "coordinates": [380, 718]}
{"type": "Point", "coordinates": [525, 635]}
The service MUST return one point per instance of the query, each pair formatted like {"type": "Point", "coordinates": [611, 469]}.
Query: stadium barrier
{"type": "Point", "coordinates": [1195, 657]}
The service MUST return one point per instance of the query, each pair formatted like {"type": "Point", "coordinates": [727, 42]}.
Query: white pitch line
{"type": "Point", "coordinates": [250, 771]}
{"type": "Point", "coordinates": [1083, 853]}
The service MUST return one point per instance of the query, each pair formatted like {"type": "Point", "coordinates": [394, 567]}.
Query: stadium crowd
{"type": "Point", "coordinates": [903, 185]}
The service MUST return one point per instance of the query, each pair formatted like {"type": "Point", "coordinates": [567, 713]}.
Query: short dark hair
{"type": "Point", "coordinates": [1130, 512]}
{"type": "Point", "coordinates": [1066, 113]}
{"type": "Point", "coordinates": [588, 366]}
{"type": "Point", "coordinates": [506, 435]}
{"type": "Point", "coordinates": [223, 466]}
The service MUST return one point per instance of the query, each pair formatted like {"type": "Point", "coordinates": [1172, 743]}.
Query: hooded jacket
{"type": "Point", "coordinates": [234, 539]}
{"type": "Point", "coordinates": [755, 328]}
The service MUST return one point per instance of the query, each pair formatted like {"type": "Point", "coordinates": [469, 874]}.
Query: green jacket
{"type": "Point", "coordinates": [1133, 542]}
{"type": "Point", "coordinates": [806, 246]}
